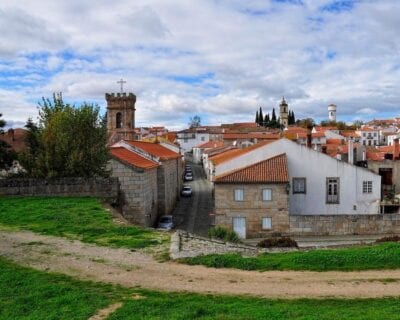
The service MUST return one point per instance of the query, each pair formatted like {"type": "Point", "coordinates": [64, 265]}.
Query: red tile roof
{"type": "Point", "coordinates": [154, 149]}
{"type": "Point", "coordinates": [230, 154]}
{"type": "Point", "coordinates": [260, 136]}
{"type": "Point", "coordinates": [132, 158]}
{"type": "Point", "coordinates": [272, 170]}
{"type": "Point", "coordinates": [349, 133]}
{"type": "Point", "coordinates": [210, 144]}
{"type": "Point", "coordinates": [15, 138]}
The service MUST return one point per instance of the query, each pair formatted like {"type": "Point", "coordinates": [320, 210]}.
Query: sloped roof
{"type": "Point", "coordinates": [132, 158]}
{"type": "Point", "coordinates": [210, 144]}
{"type": "Point", "coordinates": [230, 154]}
{"type": "Point", "coordinates": [154, 149]}
{"type": "Point", "coordinates": [15, 138]}
{"type": "Point", "coordinates": [272, 170]}
{"type": "Point", "coordinates": [260, 136]}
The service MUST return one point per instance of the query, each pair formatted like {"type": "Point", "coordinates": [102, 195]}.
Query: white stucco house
{"type": "Point", "coordinates": [318, 184]}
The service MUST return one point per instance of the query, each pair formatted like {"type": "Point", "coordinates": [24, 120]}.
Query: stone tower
{"type": "Point", "coordinates": [283, 113]}
{"type": "Point", "coordinates": [120, 116]}
{"type": "Point", "coordinates": [332, 113]}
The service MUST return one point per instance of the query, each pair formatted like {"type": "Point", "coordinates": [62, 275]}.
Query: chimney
{"type": "Point", "coordinates": [309, 139]}
{"type": "Point", "coordinates": [11, 134]}
{"type": "Point", "coordinates": [351, 152]}
{"type": "Point", "coordinates": [396, 149]}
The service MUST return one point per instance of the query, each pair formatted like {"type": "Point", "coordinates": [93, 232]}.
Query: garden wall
{"type": "Point", "coordinates": [79, 187]}
{"type": "Point", "coordinates": [321, 225]}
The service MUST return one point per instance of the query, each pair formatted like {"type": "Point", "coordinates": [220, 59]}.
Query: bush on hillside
{"type": "Point", "coordinates": [277, 242]}
{"type": "Point", "coordinates": [224, 234]}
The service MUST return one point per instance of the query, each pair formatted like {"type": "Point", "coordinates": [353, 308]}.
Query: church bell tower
{"type": "Point", "coordinates": [283, 113]}
{"type": "Point", "coordinates": [120, 116]}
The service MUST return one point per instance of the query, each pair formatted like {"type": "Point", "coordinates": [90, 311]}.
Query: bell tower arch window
{"type": "Point", "coordinates": [118, 120]}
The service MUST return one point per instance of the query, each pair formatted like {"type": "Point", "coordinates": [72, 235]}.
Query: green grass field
{"type": "Point", "coordinates": [379, 256]}
{"type": "Point", "coordinates": [75, 218]}
{"type": "Point", "coordinates": [35, 295]}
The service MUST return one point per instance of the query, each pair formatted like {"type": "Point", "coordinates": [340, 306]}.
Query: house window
{"type": "Point", "coordinates": [118, 120]}
{"type": "Point", "coordinates": [364, 134]}
{"type": "Point", "coordinates": [239, 194]}
{"type": "Point", "coordinates": [299, 185]}
{"type": "Point", "coordinates": [203, 138]}
{"type": "Point", "coordinates": [185, 140]}
{"type": "Point", "coordinates": [332, 190]}
{"type": "Point", "coordinates": [267, 194]}
{"type": "Point", "coordinates": [266, 223]}
{"type": "Point", "coordinates": [367, 186]}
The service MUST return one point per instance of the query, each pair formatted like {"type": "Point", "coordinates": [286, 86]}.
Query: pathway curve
{"type": "Point", "coordinates": [127, 268]}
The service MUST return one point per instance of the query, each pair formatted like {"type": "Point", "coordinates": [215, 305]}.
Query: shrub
{"type": "Point", "coordinates": [389, 239]}
{"type": "Point", "coordinates": [223, 234]}
{"type": "Point", "coordinates": [277, 242]}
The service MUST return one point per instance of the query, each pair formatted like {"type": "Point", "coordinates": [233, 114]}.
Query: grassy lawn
{"type": "Point", "coordinates": [29, 294]}
{"type": "Point", "coordinates": [76, 218]}
{"type": "Point", "coordinates": [379, 256]}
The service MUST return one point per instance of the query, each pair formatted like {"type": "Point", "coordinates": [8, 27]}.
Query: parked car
{"type": "Point", "coordinates": [188, 176]}
{"type": "Point", "coordinates": [166, 222]}
{"type": "Point", "coordinates": [186, 191]}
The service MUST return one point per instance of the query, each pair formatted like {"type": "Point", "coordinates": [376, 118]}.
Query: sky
{"type": "Point", "coordinates": [219, 59]}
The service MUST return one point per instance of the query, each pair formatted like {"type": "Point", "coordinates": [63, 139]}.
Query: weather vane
{"type": "Point", "coordinates": [121, 82]}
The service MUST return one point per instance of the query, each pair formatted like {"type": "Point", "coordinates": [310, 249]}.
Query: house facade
{"type": "Point", "coordinates": [253, 201]}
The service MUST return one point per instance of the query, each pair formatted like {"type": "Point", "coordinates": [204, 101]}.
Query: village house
{"type": "Point", "coordinates": [318, 185]}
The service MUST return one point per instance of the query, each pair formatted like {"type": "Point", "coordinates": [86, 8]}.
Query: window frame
{"type": "Point", "coordinates": [270, 223]}
{"type": "Point", "coordinates": [270, 194]}
{"type": "Point", "coordinates": [234, 194]}
{"type": "Point", "coordinates": [304, 191]}
{"type": "Point", "coordinates": [332, 198]}
{"type": "Point", "coordinates": [367, 187]}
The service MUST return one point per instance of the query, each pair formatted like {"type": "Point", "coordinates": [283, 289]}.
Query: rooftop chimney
{"type": "Point", "coordinates": [396, 149]}
{"type": "Point", "coordinates": [10, 133]}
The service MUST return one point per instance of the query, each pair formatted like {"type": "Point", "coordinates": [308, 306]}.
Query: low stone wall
{"type": "Point", "coordinates": [184, 245]}
{"type": "Point", "coordinates": [80, 187]}
{"type": "Point", "coordinates": [323, 225]}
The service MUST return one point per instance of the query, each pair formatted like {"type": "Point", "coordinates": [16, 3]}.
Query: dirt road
{"type": "Point", "coordinates": [121, 266]}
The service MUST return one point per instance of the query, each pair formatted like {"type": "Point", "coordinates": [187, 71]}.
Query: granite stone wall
{"type": "Point", "coordinates": [78, 187]}
{"type": "Point", "coordinates": [138, 193]}
{"type": "Point", "coordinates": [169, 184]}
{"type": "Point", "coordinates": [322, 225]}
{"type": "Point", "coordinates": [253, 208]}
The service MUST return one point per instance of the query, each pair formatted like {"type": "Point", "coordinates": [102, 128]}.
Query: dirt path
{"type": "Point", "coordinates": [131, 269]}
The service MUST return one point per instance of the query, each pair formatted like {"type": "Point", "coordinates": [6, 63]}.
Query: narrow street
{"type": "Point", "coordinates": [192, 213]}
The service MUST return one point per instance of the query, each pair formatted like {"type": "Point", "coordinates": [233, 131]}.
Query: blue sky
{"type": "Point", "coordinates": [220, 59]}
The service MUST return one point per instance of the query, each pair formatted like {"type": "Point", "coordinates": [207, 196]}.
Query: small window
{"type": "Point", "coordinates": [239, 193]}
{"type": "Point", "coordinates": [203, 138]}
{"type": "Point", "coordinates": [367, 186]}
{"type": "Point", "coordinates": [332, 190]}
{"type": "Point", "coordinates": [118, 120]}
{"type": "Point", "coordinates": [266, 223]}
{"type": "Point", "coordinates": [267, 194]}
{"type": "Point", "coordinates": [299, 185]}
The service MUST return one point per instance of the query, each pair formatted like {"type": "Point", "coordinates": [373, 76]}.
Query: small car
{"type": "Point", "coordinates": [166, 222]}
{"type": "Point", "coordinates": [186, 191]}
{"type": "Point", "coordinates": [188, 176]}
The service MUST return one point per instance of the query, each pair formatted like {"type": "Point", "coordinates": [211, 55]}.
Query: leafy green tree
{"type": "Point", "coordinates": [7, 155]}
{"type": "Point", "coordinates": [68, 142]}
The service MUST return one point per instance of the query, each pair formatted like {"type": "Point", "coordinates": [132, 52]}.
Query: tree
{"type": "Point", "coordinates": [257, 117]}
{"type": "Point", "coordinates": [7, 155]}
{"type": "Point", "coordinates": [273, 122]}
{"type": "Point", "coordinates": [195, 122]}
{"type": "Point", "coordinates": [305, 123]}
{"type": "Point", "coordinates": [260, 117]}
{"type": "Point", "coordinates": [68, 142]}
{"type": "Point", "coordinates": [266, 120]}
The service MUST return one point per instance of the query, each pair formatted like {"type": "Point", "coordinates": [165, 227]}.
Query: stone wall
{"type": "Point", "coordinates": [322, 225]}
{"type": "Point", "coordinates": [138, 193]}
{"type": "Point", "coordinates": [169, 177]}
{"type": "Point", "coordinates": [184, 245]}
{"type": "Point", "coordinates": [79, 187]}
{"type": "Point", "coordinates": [253, 208]}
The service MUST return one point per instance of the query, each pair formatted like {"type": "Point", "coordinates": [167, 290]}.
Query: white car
{"type": "Point", "coordinates": [188, 176]}
{"type": "Point", "coordinates": [166, 222]}
{"type": "Point", "coordinates": [186, 191]}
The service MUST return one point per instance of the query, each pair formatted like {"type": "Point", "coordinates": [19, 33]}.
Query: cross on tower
{"type": "Point", "coordinates": [121, 82]}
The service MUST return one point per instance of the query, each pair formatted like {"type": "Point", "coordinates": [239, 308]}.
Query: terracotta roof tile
{"type": "Point", "coordinates": [272, 170]}
{"type": "Point", "coordinates": [15, 138]}
{"type": "Point", "coordinates": [210, 144]}
{"type": "Point", "coordinates": [154, 149]}
{"type": "Point", "coordinates": [260, 136]}
{"type": "Point", "coordinates": [132, 158]}
{"type": "Point", "coordinates": [230, 154]}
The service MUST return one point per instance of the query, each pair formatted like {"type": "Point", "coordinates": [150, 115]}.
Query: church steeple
{"type": "Point", "coordinates": [283, 113]}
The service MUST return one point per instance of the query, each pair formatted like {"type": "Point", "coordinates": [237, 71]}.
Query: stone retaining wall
{"type": "Point", "coordinates": [323, 225]}
{"type": "Point", "coordinates": [79, 187]}
{"type": "Point", "coordinates": [184, 245]}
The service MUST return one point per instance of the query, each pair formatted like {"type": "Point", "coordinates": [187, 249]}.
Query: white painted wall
{"type": "Point", "coordinates": [316, 167]}
{"type": "Point", "coordinates": [188, 141]}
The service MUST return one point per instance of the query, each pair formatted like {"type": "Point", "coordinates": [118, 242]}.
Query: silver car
{"type": "Point", "coordinates": [166, 222]}
{"type": "Point", "coordinates": [186, 191]}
